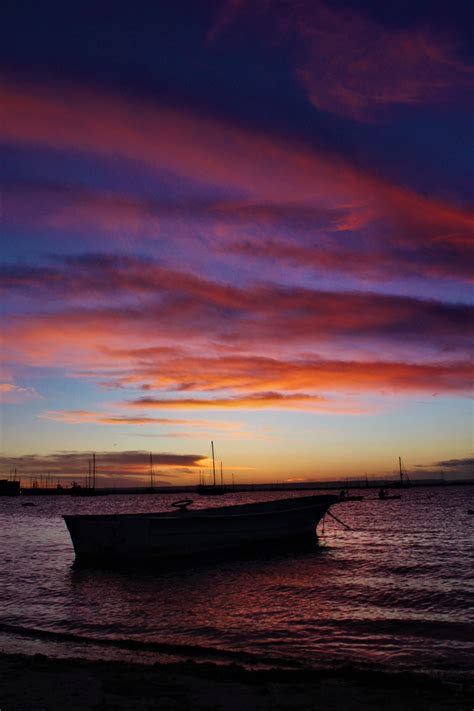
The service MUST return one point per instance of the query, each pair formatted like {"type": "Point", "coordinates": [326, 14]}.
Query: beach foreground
{"type": "Point", "coordinates": [41, 683]}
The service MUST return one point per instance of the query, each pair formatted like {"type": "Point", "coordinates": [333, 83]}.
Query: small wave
{"type": "Point", "coordinates": [168, 648]}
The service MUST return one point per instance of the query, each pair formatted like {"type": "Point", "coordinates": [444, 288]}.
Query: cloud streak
{"type": "Point", "coordinates": [250, 401]}
{"type": "Point", "coordinates": [260, 313]}
{"type": "Point", "coordinates": [301, 330]}
{"type": "Point", "coordinates": [268, 183]}
{"type": "Point", "coordinates": [244, 373]}
{"type": "Point", "coordinates": [420, 235]}
{"type": "Point", "coordinates": [78, 417]}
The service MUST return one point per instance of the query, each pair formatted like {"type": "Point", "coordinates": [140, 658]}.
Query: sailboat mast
{"type": "Point", "coordinates": [401, 470]}
{"type": "Point", "coordinates": [213, 464]}
{"type": "Point", "coordinates": [222, 480]}
{"type": "Point", "coordinates": [151, 470]}
{"type": "Point", "coordinates": [93, 470]}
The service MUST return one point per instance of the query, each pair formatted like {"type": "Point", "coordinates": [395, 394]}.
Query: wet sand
{"type": "Point", "coordinates": [39, 683]}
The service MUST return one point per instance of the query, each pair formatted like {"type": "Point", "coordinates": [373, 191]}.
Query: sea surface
{"type": "Point", "coordinates": [394, 591]}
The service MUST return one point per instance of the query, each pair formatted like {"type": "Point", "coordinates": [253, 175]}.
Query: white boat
{"type": "Point", "coordinates": [184, 531]}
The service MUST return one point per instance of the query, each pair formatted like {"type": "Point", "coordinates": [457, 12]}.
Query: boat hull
{"type": "Point", "coordinates": [129, 537]}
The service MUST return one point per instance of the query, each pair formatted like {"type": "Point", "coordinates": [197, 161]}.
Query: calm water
{"type": "Point", "coordinates": [395, 590]}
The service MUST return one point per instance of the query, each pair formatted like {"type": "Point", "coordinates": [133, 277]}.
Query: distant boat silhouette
{"type": "Point", "coordinates": [345, 496]}
{"type": "Point", "coordinates": [404, 479]}
{"type": "Point", "coordinates": [383, 495]}
{"type": "Point", "coordinates": [212, 489]}
{"type": "Point", "coordinates": [89, 490]}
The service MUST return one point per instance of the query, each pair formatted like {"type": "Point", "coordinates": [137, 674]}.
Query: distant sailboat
{"type": "Point", "coordinates": [404, 479]}
{"type": "Point", "coordinates": [212, 489]}
{"type": "Point", "coordinates": [151, 490]}
{"type": "Point", "coordinates": [383, 495]}
{"type": "Point", "coordinates": [89, 489]}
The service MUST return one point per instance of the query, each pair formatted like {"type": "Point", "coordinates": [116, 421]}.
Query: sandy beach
{"type": "Point", "coordinates": [38, 683]}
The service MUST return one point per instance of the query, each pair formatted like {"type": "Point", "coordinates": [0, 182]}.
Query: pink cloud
{"type": "Point", "coordinates": [265, 171]}
{"type": "Point", "coordinates": [11, 394]}
{"type": "Point", "coordinates": [203, 149]}
{"type": "Point", "coordinates": [278, 190]}
{"type": "Point", "coordinates": [89, 342]}
{"type": "Point", "coordinates": [142, 348]}
{"type": "Point", "coordinates": [351, 65]}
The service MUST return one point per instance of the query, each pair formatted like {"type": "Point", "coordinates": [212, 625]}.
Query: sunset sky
{"type": "Point", "coordinates": [247, 222]}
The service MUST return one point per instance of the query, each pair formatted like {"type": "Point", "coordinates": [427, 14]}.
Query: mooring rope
{"type": "Point", "coordinates": [338, 520]}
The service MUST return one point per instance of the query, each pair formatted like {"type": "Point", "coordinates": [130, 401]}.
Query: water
{"type": "Point", "coordinates": [395, 591]}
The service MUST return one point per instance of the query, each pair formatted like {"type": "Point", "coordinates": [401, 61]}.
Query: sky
{"type": "Point", "coordinates": [240, 222]}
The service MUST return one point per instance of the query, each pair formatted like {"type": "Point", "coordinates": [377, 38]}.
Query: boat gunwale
{"type": "Point", "coordinates": [217, 513]}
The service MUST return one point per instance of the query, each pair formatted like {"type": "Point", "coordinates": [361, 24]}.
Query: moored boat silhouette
{"type": "Point", "coordinates": [184, 531]}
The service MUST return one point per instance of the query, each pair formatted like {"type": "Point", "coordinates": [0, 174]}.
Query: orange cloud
{"type": "Point", "coordinates": [289, 384]}
{"type": "Point", "coordinates": [75, 417]}
{"type": "Point", "coordinates": [246, 373]}
{"type": "Point", "coordinates": [251, 400]}
{"type": "Point", "coordinates": [298, 325]}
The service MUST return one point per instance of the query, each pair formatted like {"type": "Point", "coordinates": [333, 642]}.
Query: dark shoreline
{"type": "Point", "coordinates": [34, 683]}
{"type": "Point", "coordinates": [359, 485]}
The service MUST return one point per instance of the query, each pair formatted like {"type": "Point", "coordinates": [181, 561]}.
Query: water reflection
{"type": "Point", "coordinates": [396, 588]}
